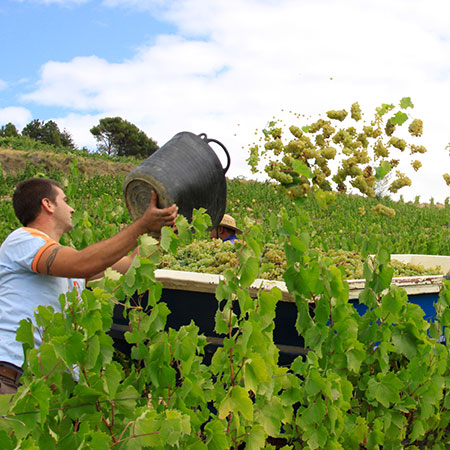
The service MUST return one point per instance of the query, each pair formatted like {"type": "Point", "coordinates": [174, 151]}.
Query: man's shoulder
{"type": "Point", "coordinates": [19, 234]}
{"type": "Point", "coordinates": [23, 247]}
{"type": "Point", "coordinates": [24, 240]}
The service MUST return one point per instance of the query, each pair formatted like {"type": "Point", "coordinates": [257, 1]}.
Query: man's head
{"type": "Point", "coordinates": [226, 228]}
{"type": "Point", "coordinates": [28, 196]}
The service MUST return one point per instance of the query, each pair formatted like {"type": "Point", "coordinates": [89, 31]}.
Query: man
{"type": "Point", "coordinates": [226, 230]}
{"type": "Point", "coordinates": [35, 269]}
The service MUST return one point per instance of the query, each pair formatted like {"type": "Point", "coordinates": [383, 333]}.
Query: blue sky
{"type": "Point", "coordinates": [227, 67]}
{"type": "Point", "coordinates": [37, 32]}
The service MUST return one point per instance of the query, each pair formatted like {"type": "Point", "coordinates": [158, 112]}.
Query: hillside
{"type": "Point", "coordinates": [13, 161]}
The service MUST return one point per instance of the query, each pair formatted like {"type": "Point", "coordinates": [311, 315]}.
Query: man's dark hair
{"type": "Point", "coordinates": [28, 196]}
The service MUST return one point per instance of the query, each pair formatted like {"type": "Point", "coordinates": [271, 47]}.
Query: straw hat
{"type": "Point", "coordinates": [229, 222]}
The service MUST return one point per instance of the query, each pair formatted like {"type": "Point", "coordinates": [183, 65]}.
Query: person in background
{"type": "Point", "coordinates": [226, 230]}
{"type": "Point", "coordinates": [35, 269]}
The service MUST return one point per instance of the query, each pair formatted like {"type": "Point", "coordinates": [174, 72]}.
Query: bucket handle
{"type": "Point", "coordinates": [205, 138]}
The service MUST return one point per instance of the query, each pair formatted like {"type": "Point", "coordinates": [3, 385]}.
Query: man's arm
{"type": "Point", "coordinates": [121, 266]}
{"type": "Point", "coordinates": [93, 260]}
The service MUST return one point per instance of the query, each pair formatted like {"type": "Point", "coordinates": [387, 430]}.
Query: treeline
{"type": "Point", "coordinates": [114, 135]}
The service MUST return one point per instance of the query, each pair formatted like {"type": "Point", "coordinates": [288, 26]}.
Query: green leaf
{"type": "Point", "coordinates": [148, 425]}
{"type": "Point", "coordinates": [41, 392]}
{"type": "Point", "coordinates": [221, 322]}
{"type": "Point", "coordinates": [147, 245]}
{"type": "Point", "coordinates": [387, 390]}
{"type": "Point", "coordinates": [245, 300]}
{"type": "Point", "coordinates": [383, 169]}
{"type": "Point", "coordinates": [315, 384]}
{"type": "Point", "coordinates": [384, 108]}
{"type": "Point", "coordinates": [223, 291]}
{"type": "Point", "coordinates": [249, 272]}
{"type": "Point", "coordinates": [25, 333]}
{"type": "Point", "coordinates": [71, 348]}
{"type": "Point", "coordinates": [256, 438]}
{"type": "Point", "coordinates": [383, 256]}
{"type": "Point", "coordinates": [112, 377]}
{"type": "Point", "coordinates": [399, 118]}
{"type": "Point", "coordinates": [393, 302]}
{"type": "Point", "coordinates": [236, 402]}
{"type": "Point", "coordinates": [338, 288]}
{"type": "Point", "coordinates": [169, 240]}
{"type": "Point", "coordinates": [271, 417]}
{"type": "Point", "coordinates": [383, 279]}
{"type": "Point", "coordinates": [406, 102]}
{"type": "Point", "coordinates": [47, 359]}
{"type": "Point", "coordinates": [355, 356]}
{"type": "Point", "coordinates": [129, 278]}
{"type": "Point", "coordinates": [255, 373]}
{"type": "Point", "coordinates": [173, 427]}
{"type": "Point", "coordinates": [404, 343]}
{"type": "Point", "coordinates": [418, 430]}
{"type": "Point", "coordinates": [99, 440]}
{"type": "Point", "coordinates": [183, 230]}
{"type": "Point", "coordinates": [200, 220]}
{"type": "Point", "coordinates": [324, 198]}
{"type": "Point", "coordinates": [316, 437]}
{"type": "Point", "coordinates": [6, 443]}
{"type": "Point", "coordinates": [217, 437]}
{"type": "Point", "coordinates": [301, 243]}
{"type": "Point", "coordinates": [302, 169]}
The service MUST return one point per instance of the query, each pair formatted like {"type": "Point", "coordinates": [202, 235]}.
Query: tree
{"type": "Point", "coordinates": [9, 130]}
{"type": "Point", "coordinates": [49, 133]}
{"type": "Point", "coordinates": [116, 136]}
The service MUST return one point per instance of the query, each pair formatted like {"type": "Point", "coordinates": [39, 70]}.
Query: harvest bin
{"type": "Point", "coordinates": [191, 296]}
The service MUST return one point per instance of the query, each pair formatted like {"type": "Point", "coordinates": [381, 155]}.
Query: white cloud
{"type": "Point", "coordinates": [242, 61]}
{"type": "Point", "coordinates": [78, 125]}
{"type": "Point", "coordinates": [15, 114]}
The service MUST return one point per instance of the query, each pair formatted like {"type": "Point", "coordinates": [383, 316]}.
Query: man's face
{"type": "Point", "coordinates": [63, 212]}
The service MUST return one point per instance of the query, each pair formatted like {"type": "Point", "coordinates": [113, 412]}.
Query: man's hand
{"type": "Point", "coordinates": [155, 218]}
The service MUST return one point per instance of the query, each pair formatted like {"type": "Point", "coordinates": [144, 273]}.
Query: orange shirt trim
{"type": "Point", "coordinates": [48, 243]}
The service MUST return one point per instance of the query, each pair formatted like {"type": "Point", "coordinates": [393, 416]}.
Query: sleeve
{"type": "Point", "coordinates": [26, 247]}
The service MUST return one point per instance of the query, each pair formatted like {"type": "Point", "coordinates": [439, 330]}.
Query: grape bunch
{"type": "Point", "coordinates": [359, 150]}
{"type": "Point", "coordinates": [215, 256]}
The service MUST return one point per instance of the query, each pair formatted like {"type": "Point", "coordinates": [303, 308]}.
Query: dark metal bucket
{"type": "Point", "coordinates": [185, 171]}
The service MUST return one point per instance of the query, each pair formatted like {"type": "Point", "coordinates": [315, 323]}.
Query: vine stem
{"type": "Point", "coordinates": [133, 437]}
{"type": "Point", "coordinates": [230, 336]}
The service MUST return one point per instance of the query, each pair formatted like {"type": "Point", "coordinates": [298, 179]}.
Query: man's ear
{"type": "Point", "coordinates": [47, 205]}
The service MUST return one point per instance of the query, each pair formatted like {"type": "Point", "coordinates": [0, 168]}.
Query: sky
{"type": "Point", "coordinates": [228, 67]}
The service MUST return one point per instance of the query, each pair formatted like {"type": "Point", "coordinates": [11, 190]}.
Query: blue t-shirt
{"type": "Point", "coordinates": [22, 289]}
{"type": "Point", "coordinates": [232, 238]}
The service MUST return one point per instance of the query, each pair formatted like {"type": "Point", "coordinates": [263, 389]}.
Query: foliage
{"type": "Point", "coordinates": [375, 380]}
{"type": "Point", "coordinates": [116, 136]}
{"type": "Point", "coordinates": [301, 162]}
{"type": "Point", "coordinates": [9, 130]}
{"type": "Point", "coordinates": [48, 133]}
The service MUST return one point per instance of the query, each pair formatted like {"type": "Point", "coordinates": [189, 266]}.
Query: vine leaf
{"type": "Point", "coordinates": [237, 401]}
